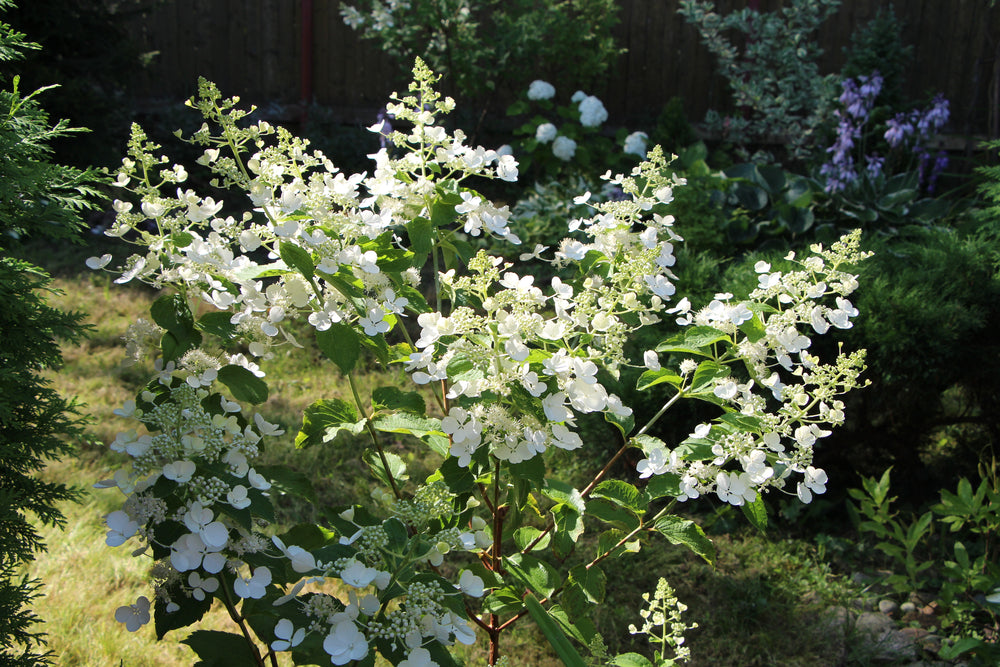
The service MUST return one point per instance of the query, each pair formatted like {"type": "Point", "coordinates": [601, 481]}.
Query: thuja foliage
{"type": "Point", "coordinates": [35, 425]}
{"type": "Point", "coordinates": [503, 373]}
{"type": "Point", "coordinates": [778, 93]}
{"type": "Point", "coordinates": [40, 198]}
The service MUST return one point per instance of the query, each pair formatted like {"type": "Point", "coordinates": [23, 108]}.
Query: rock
{"type": "Point", "coordinates": [907, 607]}
{"type": "Point", "coordinates": [888, 607]}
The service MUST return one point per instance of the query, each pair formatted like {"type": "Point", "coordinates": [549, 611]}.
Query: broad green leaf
{"type": "Point", "coordinates": [631, 660]}
{"type": "Point", "coordinates": [220, 649]}
{"type": "Point", "coordinates": [325, 419]}
{"type": "Point", "coordinates": [533, 573]}
{"type": "Point", "coordinates": [756, 513]}
{"type": "Point", "coordinates": [663, 486]}
{"type": "Point", "coordinates": [244, 385]}
{"type": "Point", "coordinates": [171, 312]}
{"type": "Point", "coordinates": [340, 343]}
{"type": "Point", "coordinates": [285, 480]}
{"type": "Point", "coordinates": [651, 378]}
{"type": "Point", "coordinates": [625, 424]}
{"type": "Point", "coordinates": [590, 580]}
{"type": "Point", "coordinates": [606, 543]}
{"type": "Point", "coordinates": [503, 601]}
{"type": "Point", "coordinates": [397, 467]}
{"type": "Point", "coordinates": [621, 493]}
{"type": "Point", "coordinates": [568, 528]}
{"type": "Point", "coordinates": [648, 443]}
{"type": "Point", "coordinates": [407, 422]}
{"type": "Point", "coordinates": [560, 644]}
{"type": "Point", "coordinates": [705, 376]}
{"type": "Point", "coordinates": [217, 324]}
{"type": "Point", "coordinates": [393, 398]}
{"type": "Point", "coordinates": [612, 514]}
{"type": "Point", "coordinates": [688, 533]}
{"type": "Point", "coordinates": [693, 340]}
{"type": "Point", "coordinates": [191, 611]}
{"type": "Point", "coordinates": [421, 235]}
{"type": "Point", "coordinates": [561, 492]}
{"type": "Point", "coordinates": [298, 258]}
{"type": "Point", "coordinates": [525, 535]}
{"type": "Point", "coordinates": [581, 628]}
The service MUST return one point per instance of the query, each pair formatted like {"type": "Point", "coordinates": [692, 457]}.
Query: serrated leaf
{"type": "Point", "coordinates": [394, 398]}
{"type": "Point", "coordinates": [341, 344]}
{"type": "Point", "coordinates": [625, 423]}
{"type": "Point", "coordinates": [397, 467]}
{"type": "Point", "coordinates": [612, 514]}
{"type": "Point", "coordinates": [325, 419]}
{"type": "Point", "coordinates": [218, 324]}
{"type": "Point", "coordinates": [533, 573]}
{"type": "Point", "coordinates": [421, 235]}
{"type": "Point", "coordinates": [631, 660]}
{"type": "Point", "coordinates": [298, 258]}
{"type": "Point", "coordinates": [667, 485]}
{"type": "Point", "coordinates": [652, 378]}
{"type": "Point", "coordinates": [406, 422]}
{"type": "Point", "coordinates": [191, 611]}
{"type": "Point", "coordinates": [756, 513]}
{"type": "Point", "coordinates": [693, 340]}
{"type": "Point", "coordinates": [525, 535]}
{"type": "Point", "coordinates": [688, 533]}
{"type": "Point", "coordinates": [591, 581]}
{"type": "Point", "coordinates": [285, 480]}
{"type": "Point", "coordinates": [220, 649]}
{"type": "Point", "coordinates": [621, 493]}
{"type": "Point", "coordinates": [244, 385]}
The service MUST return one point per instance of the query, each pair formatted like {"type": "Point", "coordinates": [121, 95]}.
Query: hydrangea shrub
{"type": "Point", "coordinates": [511, 367]}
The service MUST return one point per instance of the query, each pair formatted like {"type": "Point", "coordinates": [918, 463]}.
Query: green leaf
{"type": "Point", "coordinates": [298, 258]}
{"type": "Point", "coordinates": [220, 649]}
{"type": "Point", "coordinates": [663, 486]}
{"type": "Point", "coordinates": [963, 645]}
{"type": "Point", "coordinates": [621, 493]}
{"type": "Point", "coordinates": [218, 324]}
{"type": "Point", "coordinates": [625, 424]}
{"type": "Point", "coordinates": [325, 419]}
{"type": "Point", "coordinates": [393, 398]}
{"type": "Point", "coordinates": [407, 422]}
{"type": "Point", "coordinates": [171, 312]}
{"type": "Point", "coordinates": [191, 611]}
{"type": "Point", "coordinates": [631, 660]}
{"type": "Point", "coordinates": [568, 528]}
{"type": "Point", "coordinates": [397, 467]}
{"type": "Point", "coordinates": [503, 601]}
{"type": "Point", "coordinates": [688, 533]}
{"type": "Point", "coordinates": [533, 573]}
{"type": "Point", "coordinates": [651, 378]}
{"type": "Point", "coordinates": [693, 340]}
{"type": "Point", "coordinates": [591, 581]}
{"type": "Point", "coordinates": [525, 535]}
{"type": "Point", "coordinates": [612, 514]}
{"type": "Point", "coordinates": [581, 628]}
{"type": "Point", "coordinates": [705, 376]}
{"type": "Point", "coordinates": [421, 235]}
{"type": "Point", "coordinates": [756, 513]}
{"type": "Point", "coordinates": [340, 343]}
{"type": "Point", "coordinates": [285, 480]}
{"type": "Point", "coordinates": [244, 385]}
{"type": "Point", "coordinates": [559, 642]}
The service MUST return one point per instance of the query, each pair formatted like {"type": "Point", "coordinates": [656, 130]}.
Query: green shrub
{"type": "Point", "coordinates": [45, 199]}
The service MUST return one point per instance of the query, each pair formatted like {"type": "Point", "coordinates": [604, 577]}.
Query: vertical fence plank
{"type": "Point", "coordinates": [251, 47]}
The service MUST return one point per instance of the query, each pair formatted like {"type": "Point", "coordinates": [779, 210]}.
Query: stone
{"type": "Point", "coordinates": [888, 607]}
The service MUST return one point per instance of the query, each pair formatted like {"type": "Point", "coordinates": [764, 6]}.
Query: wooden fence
{"type": "Point", "coordinates": [254, 48]}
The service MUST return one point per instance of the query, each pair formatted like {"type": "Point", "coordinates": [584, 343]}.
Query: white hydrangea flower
{"type": "Point", "coordinates": [635, 144]}
{"type": "Point", "coordinates": [541, 90]}
{"type": "Point", "coordinates": [592, 112]}
{"type": "Point", "coordinates": [544, 133]}
{"type": "Point", "coordinates": [564, 148]}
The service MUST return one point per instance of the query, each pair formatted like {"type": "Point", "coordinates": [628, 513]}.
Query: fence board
{"type": "Point", "coordinates": [251, 48]}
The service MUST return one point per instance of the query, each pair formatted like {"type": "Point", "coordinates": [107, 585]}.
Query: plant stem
{"type": "Point", "coordinates": [498, 516]}
{"type": "Point", "coordinates": [374, 436]}
{"type": "Point", "coordinates": [235, 615]}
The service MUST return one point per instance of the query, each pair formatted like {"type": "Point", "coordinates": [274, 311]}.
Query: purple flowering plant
{"type": "Point", "coordinates": [869, 150]}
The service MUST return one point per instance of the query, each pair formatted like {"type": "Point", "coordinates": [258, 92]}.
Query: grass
{"type": "Point", "coordinates": [761, 604]}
